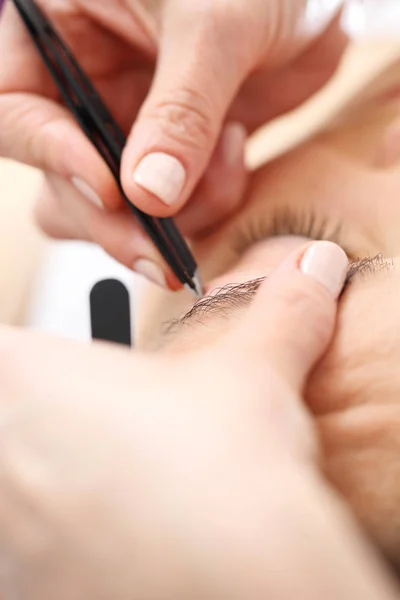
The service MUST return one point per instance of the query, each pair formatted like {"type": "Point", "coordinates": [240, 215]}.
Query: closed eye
{"type": "Point", "coordinates": [285, 222]}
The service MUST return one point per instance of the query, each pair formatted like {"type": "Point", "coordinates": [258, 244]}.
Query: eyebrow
{"type": "Point", "coordinates": [224, 300]}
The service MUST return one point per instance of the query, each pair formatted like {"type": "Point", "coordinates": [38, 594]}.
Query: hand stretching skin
{"type": "Point", "coordinates": [204, 474]}
{"type": "Point", "coordinates": [188, 80]}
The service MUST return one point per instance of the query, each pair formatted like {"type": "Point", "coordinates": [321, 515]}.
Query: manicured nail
{"type": "Point", "coordinates": [162, 175]}
{"type": "Point", "coordinates": [150, 271]}
{"type": "Point", "coordinates": [371, 19]}
{"type": "Point", "coordinates": [86, 191]}
{"type": "Point", "coordinates": [232, 143]}
{"type": "Point", "coordinates": [318, 14]}
{"type": "Point", "coordinates": [327, 263]}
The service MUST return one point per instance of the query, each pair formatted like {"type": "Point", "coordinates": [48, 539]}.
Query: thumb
{"type": "Point", "coordinates": [200, 70]}
{"type": "Point", "coordinates": [292, 320]}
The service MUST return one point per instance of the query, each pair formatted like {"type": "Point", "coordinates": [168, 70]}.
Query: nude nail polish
{"type": "Point", "coordinates": [162, 175]}
{"type": "Point", "coordinates": [86, 191]}
{"type": "Point", "coordinates": [327, 264]}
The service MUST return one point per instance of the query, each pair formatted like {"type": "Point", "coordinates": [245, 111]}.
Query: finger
{"type": "Point", "coordinates": [180, 122]}
{"type": "Point", "coordinates": [52, 219]}
{"type": "Point", "coordinates": [221, 191]}
{"type": "Point", "coordinates": [292, 320]}
{"type": "Point", "coordinates": [35, 129]}
{"type": "Point", "coordinates": [38, 132]}
{"type": "Point", "coordinates": [63, 212]}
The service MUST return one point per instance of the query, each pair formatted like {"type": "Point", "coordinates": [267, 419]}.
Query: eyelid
{"type": "Point", "coordinates": [288, 222]}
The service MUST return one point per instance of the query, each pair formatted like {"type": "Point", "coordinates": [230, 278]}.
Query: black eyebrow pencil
{"type": "Point", "coordinates": [96, 122]}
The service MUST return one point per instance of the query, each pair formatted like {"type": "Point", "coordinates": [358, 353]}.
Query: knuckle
{"type": "Point", "coordinates": [46, 142]}
{"type": "Point", "coordinates": [42, 136]}
{"type": "Point", "coordinates": [186, 116]}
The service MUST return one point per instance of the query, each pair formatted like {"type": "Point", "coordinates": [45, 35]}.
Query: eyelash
{"type": "Point", "coordinates": [287, 222]}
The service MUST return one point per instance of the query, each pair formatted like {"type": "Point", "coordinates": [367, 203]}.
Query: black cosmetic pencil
{"type": "Point", "coordinates": [101, 129]}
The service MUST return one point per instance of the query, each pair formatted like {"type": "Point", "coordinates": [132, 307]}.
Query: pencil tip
{"type": "Point", "coordinates": [195, 286]}
{"type": "Point", "coordinates": [198, 287]}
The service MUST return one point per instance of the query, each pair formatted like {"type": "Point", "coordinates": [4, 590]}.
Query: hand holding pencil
{"type": "Point", "coordinates": [185, 84]}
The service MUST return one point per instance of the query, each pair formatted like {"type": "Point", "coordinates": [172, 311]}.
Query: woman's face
{"type": "Point", "coordinates": [343, 187]}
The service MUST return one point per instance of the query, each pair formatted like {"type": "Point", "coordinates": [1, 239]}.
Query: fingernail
{"type": "Point", "coordinates": [232, 143]}
{"type": "Point", "coordinates": [86, 191]}
{"type": "Point", "coordinates": [317, 15]}
{"type": "Point", "coordinates": [326, 263]}
{"type": "Point", "coordinates": [150, 271]}
{"type": "Point", "coordinates": [371, 19]}
{"type": "Point", "coordinates": [162, 175]}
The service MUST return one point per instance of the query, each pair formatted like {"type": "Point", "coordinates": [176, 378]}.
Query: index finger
{"type": "Point", "coordinates": [19, 57]}
{"type": "Point", "coordinates": [35, 129]}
